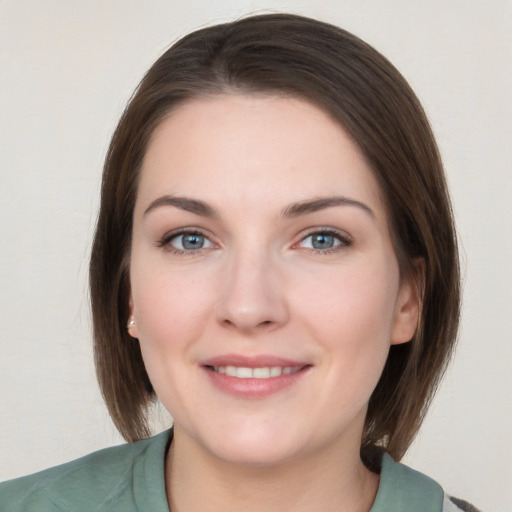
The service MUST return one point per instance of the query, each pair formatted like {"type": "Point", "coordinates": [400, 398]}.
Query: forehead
{"type": "Point", "coordinates": [254, 150]}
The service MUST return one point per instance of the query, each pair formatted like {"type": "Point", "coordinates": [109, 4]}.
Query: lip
{"type": "Point", "coordinates": [256, 361]}
{"type": "Point", "coordinates": [253, 388]}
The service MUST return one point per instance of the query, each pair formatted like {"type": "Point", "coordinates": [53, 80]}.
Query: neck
{"type": "Point", "coordinates": [332, 479]}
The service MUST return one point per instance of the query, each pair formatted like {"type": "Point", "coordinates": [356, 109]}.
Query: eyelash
{"type": "Point", "coordinates": [165, 242]}
{"type": "Point", "coordinates": [344, 240]}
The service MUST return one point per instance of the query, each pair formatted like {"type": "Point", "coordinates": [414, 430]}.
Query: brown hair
{"type": "Point", "coordinates": [350, 80]}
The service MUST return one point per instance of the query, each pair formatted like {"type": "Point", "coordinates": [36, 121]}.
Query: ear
{"type": "Point", "coordinates": [131, 326]}
{"type": "Point", "coordinates": [409, 303]}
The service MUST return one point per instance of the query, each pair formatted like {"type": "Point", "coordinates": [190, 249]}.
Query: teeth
{"type": "Point", "coordinates": [256, 373]}
{"type": "Point", "coordinates": [230, 370]}
{"type": "Point", "coordinates": [261, 373]}
{"type": "Point", "coordinates": [244, 373]}
{"type": "Point", "coordinates": [275, 371]}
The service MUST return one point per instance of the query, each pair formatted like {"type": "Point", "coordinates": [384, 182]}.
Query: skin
{"type": "Point", "coordinates": [259, 285]}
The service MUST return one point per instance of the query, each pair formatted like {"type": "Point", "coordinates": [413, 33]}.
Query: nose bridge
{"type": "Point", "coordinates": [253, 295]}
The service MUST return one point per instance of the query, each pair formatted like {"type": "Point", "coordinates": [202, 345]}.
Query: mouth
{"type": "Point", "coordinates": [254, 377]}
{"type": "Point", "coordinates": [263, 372]}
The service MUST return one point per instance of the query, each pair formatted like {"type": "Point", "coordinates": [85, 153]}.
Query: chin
{"type": "Point", "coordinates": [253, 446]}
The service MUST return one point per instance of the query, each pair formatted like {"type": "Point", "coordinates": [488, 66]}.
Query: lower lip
{"type": "Point", "coordinates": [254, 389]}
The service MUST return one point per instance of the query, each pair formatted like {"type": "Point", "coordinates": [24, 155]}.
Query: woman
{"type": "Point", "coordinates": [275, 260]}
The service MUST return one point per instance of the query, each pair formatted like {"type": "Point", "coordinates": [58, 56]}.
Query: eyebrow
{"type": "Point", "coordinates": [314, 205]}
{"type": "Point", "coordinates": [183, 203]}
{"type": "Point", "coordinates": [293, 210]}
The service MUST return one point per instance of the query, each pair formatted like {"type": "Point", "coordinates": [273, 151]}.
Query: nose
{"type": "Point", "coordinates": [253, 295]}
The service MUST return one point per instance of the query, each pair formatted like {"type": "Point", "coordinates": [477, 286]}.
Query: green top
{"type": "Point", "coordinates": [130, 478]}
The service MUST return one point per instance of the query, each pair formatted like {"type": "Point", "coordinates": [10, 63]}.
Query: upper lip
{"type": "Point", "coordinates": [252, 361]}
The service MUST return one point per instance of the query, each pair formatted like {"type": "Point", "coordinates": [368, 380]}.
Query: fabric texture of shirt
{"type": "Point", "coordinates": [130, 478]}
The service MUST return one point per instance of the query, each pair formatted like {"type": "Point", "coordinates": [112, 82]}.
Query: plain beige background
{"type": "Point", "coordinates": [67, 67]}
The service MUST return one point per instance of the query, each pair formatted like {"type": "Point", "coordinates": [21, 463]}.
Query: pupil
{"type": "Point", "coordinates": [323, 241]}
{"type": "Point", "coordinates": [193, 241]}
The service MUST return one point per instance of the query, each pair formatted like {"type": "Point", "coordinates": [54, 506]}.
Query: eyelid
{"type": "Point", "coordinates": [344, 238]}
{"type": "Point", "coordinates": [164, 242]}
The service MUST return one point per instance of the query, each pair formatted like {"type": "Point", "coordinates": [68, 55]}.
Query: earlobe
{"type": "Point", "coordinates": [409, 304]}
{"type": "Point", "coordinates": [131, 326]}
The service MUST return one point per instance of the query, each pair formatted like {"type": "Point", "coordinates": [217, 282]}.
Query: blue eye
{"type": "Point", "coordinates": [324, 241]}
{"type": "Point", "coordinates": [187, 242]}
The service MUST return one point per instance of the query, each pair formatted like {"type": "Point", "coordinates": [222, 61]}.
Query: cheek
{"type": "Point", "coordinates": [170, 310]}
{"type": "Point", "coordinates": [357, 299]}
{"type": "Point", "coordinates": [170, 307]}
{"type": "Point", "coordinates": [351, 316]}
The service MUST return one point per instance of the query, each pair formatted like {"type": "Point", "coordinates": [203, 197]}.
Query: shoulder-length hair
{"type": "Point", "coordinates": [360, 89]}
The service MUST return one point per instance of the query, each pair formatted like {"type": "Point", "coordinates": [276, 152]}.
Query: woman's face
{"type": "Point", "coordinates": [265, 287]}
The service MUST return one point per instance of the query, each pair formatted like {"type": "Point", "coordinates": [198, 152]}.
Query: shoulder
{"type": "Point", "coordinates": [89, 483]}
{"type": "Point", "coordinates": [403, 489]}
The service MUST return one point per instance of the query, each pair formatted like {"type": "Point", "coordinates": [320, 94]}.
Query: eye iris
{"type": "Point", "coordinates": [321, 241]}
{"type": "Point", "coordinates": [192, 241]}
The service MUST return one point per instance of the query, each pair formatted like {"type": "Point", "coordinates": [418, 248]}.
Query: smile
{"type": "Point", "coordinates": [265, 372]}
{"type": "Point", "coordinates": [254, 377]}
